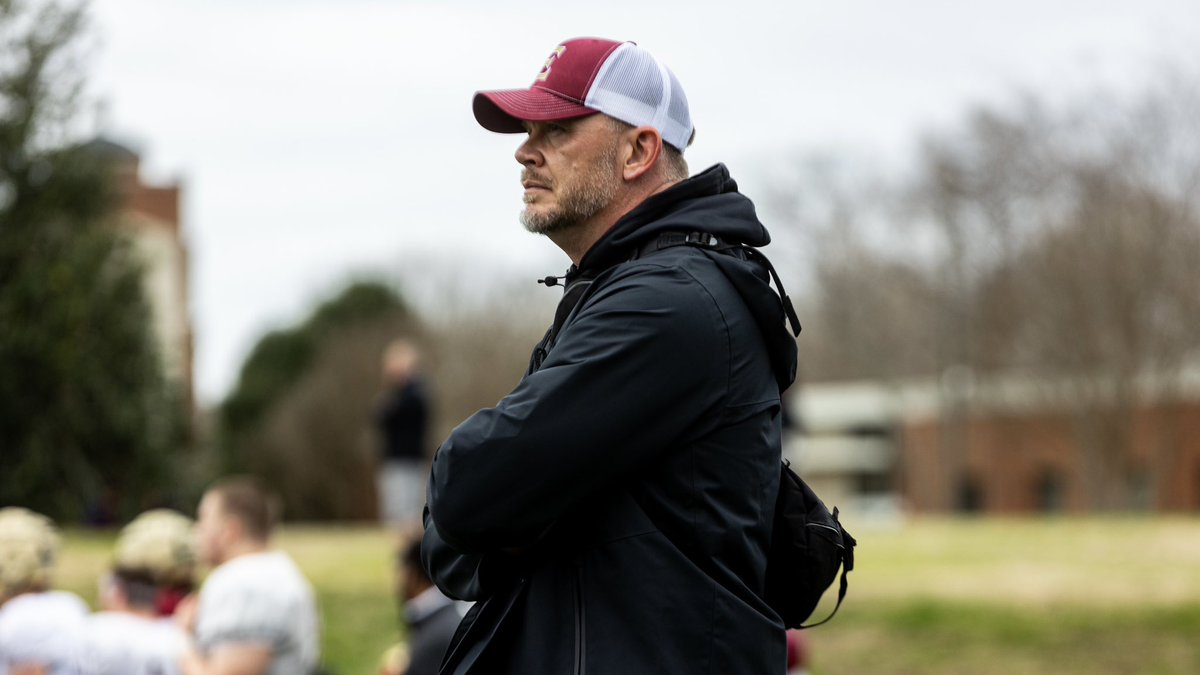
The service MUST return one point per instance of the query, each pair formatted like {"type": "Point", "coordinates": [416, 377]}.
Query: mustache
{"type": "Point", "coordinates": [534, 177]}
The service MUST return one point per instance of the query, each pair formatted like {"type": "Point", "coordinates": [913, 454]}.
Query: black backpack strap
{"type": "Point", "coordinates": [708, 241]}
{"type": "Point", "coordinates": [847, 565]}
{"type": "Point", "coordinates": [711, 242]}
{"type": "Point", "coordinates": [671, 239]}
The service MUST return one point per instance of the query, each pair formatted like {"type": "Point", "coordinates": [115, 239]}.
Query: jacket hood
{"type": "Point", "coordinates": [709, 202]}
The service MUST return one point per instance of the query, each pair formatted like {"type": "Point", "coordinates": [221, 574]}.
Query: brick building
{"type": "Point", "coordinates": [1005, 447]}
{"type": "Point", "coordinates": [150, 215]}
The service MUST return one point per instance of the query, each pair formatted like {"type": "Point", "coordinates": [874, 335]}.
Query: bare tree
{"type": "Point", "coordinates": [1058, 246]}
{"type": "Point", "coordinates": [863, 307]}
{"type": "Point", "coordinates": [1071, 243]}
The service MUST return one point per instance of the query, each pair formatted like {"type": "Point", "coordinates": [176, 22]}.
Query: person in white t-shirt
{"type": "Point", "coordinates": [256, 613]}
{"type": "Point", "coordinates": [39, 628]}
{"type": "Point", "coordinates": [153, 568]}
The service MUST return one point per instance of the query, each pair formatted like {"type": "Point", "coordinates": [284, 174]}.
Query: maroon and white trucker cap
{"type": "Point", "coordinates": [590, 75]}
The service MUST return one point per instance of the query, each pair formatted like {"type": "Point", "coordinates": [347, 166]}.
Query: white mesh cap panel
{"type": "Point", "coordinates": [637, 89]}
{"type": "Point", "coordinates": [678, 109]}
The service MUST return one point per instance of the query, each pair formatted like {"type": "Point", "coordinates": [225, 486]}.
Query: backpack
{"type": "Point", "coordinates": [808, 543]}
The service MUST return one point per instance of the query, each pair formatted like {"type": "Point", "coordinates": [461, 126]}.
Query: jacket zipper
{"type": "Point", "coordinates": [826, 527]}
{"type": "Point", "coordinates": [580, 625]}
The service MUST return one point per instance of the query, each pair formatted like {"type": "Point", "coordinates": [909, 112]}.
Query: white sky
{"type": "Point", "coordinates": [316, 139]}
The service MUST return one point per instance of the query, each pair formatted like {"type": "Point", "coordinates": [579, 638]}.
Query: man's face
{"type": "Point", "coordinates": [408, 583]}
{"type": "Point", "coordinates": [571, 172]}
{"type": "Point", "coordinates": [210, 530]}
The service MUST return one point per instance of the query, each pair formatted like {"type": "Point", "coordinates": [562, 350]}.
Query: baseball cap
{"type": "Point", "coordinates": [28, 547]}
{"type": "Point", "coordinates": [584, 76]}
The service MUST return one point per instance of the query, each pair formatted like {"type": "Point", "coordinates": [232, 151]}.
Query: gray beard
{"type": "Point", "coordinates": [574, 207]}
{"type": "Point", "coordinates": [589, 194]}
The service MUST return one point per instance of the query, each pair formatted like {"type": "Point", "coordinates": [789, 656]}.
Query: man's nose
{"type": "Point", "coordinates": [527, 153]}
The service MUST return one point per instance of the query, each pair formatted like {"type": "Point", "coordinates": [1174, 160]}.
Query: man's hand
{"type": "Point", "coordinates": [185, 614]}
{"type": "Point", "coordinates": [395, 660]}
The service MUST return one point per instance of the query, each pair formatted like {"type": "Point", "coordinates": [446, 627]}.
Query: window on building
{"type": "Point", "coordinates": [869, 431]}
{"type": "Point", "coordinates": [1197, 488]}
{"type": "Point", "coordinates": [970, 495]}
{"type": "Point", "coordinates": [1141, 490]}
{"type": "Point", "coordinates": [870, 483]}
{"type": "Point", "coordinates": [1050, 492]}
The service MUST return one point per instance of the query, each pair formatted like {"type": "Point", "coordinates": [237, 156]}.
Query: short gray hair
{"type": "Point", "coordinates": [674, 164]}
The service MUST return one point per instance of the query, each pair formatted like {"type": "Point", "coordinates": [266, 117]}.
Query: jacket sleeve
{"type": "Point", "coordinates": [645, 359]}
{"type": "Point", "coordinates": [459, 576]}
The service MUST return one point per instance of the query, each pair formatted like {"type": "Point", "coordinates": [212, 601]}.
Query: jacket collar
{"type": "Point", "coordinates": [708, 201]}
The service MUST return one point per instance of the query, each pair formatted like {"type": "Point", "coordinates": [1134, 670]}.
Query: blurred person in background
{"type": "Point", "coordinates": [256, 613]}
{"type": "Point", "coordinates": [612, 514]}
{"type": "Point", "coordinates": [402, 418]}
{"type": "Point", "coordinates": [797, 653]}
{"type": "Point", "coordinates": [39, 628]}
{"type": "Point", "coordinates": [154, 567]}
{"type": "Point", "coordinates": [430, 616]}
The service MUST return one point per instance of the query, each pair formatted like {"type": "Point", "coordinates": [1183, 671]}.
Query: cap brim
{"type": "Point", "coordinates": [504, 110]}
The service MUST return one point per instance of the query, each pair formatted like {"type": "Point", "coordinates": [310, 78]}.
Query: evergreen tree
{"type": "Point", "coordinates": [300, 416]}
{"type": "Point", "coordinates": [88, 425]}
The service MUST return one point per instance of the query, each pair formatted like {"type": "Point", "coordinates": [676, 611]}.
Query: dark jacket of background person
{"type": "Point", "coordinates": [428, 636]}
{"type": "Point", "coordinates": [402, 418]}
{"type": "Point", "coordinates": [612, 514]}
{"type": "Point", "coordinates": [429, 616]}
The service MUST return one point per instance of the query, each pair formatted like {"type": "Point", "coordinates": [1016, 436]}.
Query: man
{"type": "Point", "coordinates": [256, 612]}
{"type": "Point", "coordinates": [154, 566]}
{"type": "Point", "coordinates": [431, 617]}
{"type": "Point", "coordinates": [613, 513]}
{"type": "Point", "coordinates": [402, 418]}
{"type": "Point", "coordinates": [39, 628]}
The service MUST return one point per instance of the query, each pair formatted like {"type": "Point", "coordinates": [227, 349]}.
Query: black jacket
{"type": "Point", "coordinates": [428, 637]}
{"type": "Point", "coordinates": [612, 514]}
{"type": "Point", "coordinates": [402, 418]}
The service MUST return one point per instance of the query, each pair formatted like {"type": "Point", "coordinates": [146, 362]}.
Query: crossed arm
{"type": "Point", "coordinates": [627, 379]}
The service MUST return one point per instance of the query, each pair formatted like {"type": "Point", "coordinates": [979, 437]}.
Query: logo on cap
{"type": "Point", "coordinates": [545, 73]}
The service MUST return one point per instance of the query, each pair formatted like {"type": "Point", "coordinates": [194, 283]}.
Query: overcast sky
{"type": "Point", "coordinates": [318, 139]}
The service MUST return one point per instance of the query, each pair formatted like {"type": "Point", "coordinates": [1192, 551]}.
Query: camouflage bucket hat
{"type": "Point", "coordinates": [29, 545]}
{"type": "Point", "coordinates": [158, 544]}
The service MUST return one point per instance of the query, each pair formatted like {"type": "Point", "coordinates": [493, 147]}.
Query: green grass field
{"type": "Point", "coordinates": [962, 597]}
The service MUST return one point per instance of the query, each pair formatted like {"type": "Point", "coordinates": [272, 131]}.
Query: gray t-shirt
{"type": "Point", "coordinates": [261, 598]}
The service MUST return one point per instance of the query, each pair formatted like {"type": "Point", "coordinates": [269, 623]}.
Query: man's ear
{"type": "Point", "coordinates": [111, 596]}
{"type": "Point", "coordinates": [644, 150]}
{"type": "Point", "coordinates": [232, 530]}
